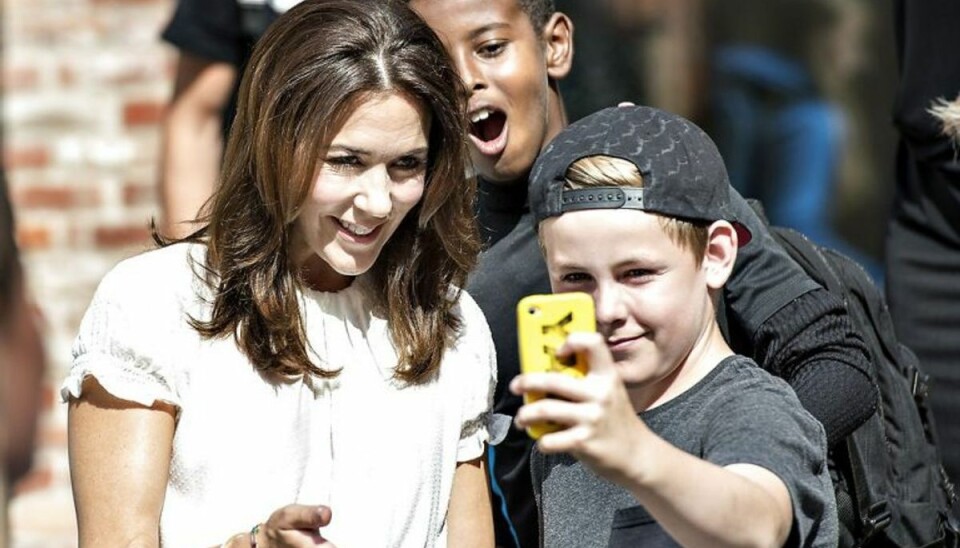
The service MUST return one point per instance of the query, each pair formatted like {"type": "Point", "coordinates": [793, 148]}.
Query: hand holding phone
{"type": "Point", "coordinates": [543, 323]}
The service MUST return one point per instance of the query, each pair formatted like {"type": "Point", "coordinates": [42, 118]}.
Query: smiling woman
{"type": "Point", "coordinates": [257, 372]}
{"type": "Point", "coordinates": [372, 176]}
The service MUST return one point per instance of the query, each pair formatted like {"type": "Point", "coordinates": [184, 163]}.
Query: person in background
{"type": "Point", "coordinates": [776, 70]}
{"type": "Point", "coordinates": [22, 361]}
{"type": "Point", "coordinates": [306, 369]}
{"type": "Point", "coordinates": [670, 439]}
{"type": "Point", "coordinates": [511, 56]}
{"type": "Point", "coordinates": [214, 39]}
{"type": "Point", "coordinates": [923, 232]}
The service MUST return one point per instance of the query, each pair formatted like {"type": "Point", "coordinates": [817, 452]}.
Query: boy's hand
{"type": "Point", "coordinates": [601, 428]}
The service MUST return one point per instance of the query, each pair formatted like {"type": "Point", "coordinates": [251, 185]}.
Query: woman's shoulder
{"type": "Point", "coordinates": [163, 275]}
{"type": "Point", "coordinates": [469, 311]}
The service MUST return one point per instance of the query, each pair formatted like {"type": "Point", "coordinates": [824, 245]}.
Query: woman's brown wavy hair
{"type": "Point", "coordinates": [308, 73]}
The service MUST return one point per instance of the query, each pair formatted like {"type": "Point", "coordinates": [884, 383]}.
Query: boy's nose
{"type": "Point", "coordinates": [471, 75]}
{"type": "Point", "coordinates": [610, 306]}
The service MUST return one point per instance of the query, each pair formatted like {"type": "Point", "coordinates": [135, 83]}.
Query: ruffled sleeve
{"type": "Point", "coordinates": [124, 340]}
{"type": "Point", "coordinates": [479, 373]}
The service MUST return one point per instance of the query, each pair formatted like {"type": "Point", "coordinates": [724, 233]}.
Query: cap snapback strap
{"type": "Point", "coordinates": [604, 197]}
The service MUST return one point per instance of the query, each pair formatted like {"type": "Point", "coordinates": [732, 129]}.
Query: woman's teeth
{"type": "Point", "coordinates": [356, 229]}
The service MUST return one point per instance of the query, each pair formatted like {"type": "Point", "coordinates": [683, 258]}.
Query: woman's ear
{"type": "Point", "coordinates": [720, 254]}
{"type": "Point", "coordinates": [557, 37]}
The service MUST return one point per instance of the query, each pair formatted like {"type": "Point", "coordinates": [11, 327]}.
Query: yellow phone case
{"type": "Point", "coordinates": [543, 323]}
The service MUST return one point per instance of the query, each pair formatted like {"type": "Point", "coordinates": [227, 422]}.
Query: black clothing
{"type": "Point", "coordinates": [923, 239]}
{"type": "Point", "coordinates": [219, 30]}
{"type": "Point", "coordinates": [775, 312]}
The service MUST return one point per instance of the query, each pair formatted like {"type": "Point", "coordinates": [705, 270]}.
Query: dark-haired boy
{"type": "Point", "coordinates": [671, 439]}
{"type": "Point", "coordinates": [512, 54]}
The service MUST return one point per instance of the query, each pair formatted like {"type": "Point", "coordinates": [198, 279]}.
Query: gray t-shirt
{"type": "Point", "coordinates": [738, 413]}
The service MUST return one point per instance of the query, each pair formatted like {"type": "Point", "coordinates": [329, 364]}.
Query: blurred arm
{"type": "Point", "coordinates": [22, 366]}
{"type": "Point", "coordinates": [192, 140]}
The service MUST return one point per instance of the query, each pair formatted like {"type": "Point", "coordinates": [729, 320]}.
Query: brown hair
{"type": "Point", "coordinates": [309, 71]}
{"type": "Point", "coordinates": [594, 171]}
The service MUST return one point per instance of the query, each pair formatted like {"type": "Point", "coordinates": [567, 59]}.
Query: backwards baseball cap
{"type": "Point", "coordinates": [683, 173]}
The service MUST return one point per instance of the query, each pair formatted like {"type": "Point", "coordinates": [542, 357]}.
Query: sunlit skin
{"type": "Point", "coordinates": [510, 72]}
{"type": "Point", "coordinates": [652, 299]}
{"type": "Point", "coordinates": [371, 176]}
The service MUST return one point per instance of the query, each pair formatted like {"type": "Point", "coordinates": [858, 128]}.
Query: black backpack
{"type": "Point", "coordinates": [891, 488]}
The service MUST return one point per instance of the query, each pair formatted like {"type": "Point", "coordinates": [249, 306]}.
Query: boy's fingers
{"type": "Point", "coordinates": [552, 410]}
{"type": "Point", "coordinates": [552, 384]}
{"type": "Point", "coordinates": [567, 440]}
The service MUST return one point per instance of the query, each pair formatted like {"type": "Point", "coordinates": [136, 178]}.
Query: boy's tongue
{"type": "Point", "coordinates": [488, 135]}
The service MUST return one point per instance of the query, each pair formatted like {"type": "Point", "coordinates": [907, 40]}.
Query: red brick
{"type": "Point", "coordinates": [139, 113]}
{"type": "Point", "coordinates": [139, 194]}
{"type": "Point", "coordinates": [27, 157]}
{"type": "Point", "coordinates": [121, 236]}
{"type": "Point", "coordinates": [48, 396]}
{"type": "Point", "coordinates": [56, 197]}
{"type": "Point", "coordinates": [20, 78]}
{"type": "Point", "coordinates": [67, 76]}
{"type": "Point", "coordinates": [33, 237]}
{"type": "Point", "coordinates": [53, 434]}
{"type": "Point", "coordinates": [39, 478]}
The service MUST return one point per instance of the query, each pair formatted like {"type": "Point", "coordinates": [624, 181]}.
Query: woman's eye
{"type": "Point", "coordinates": [339, 162]}
{"type": "Point", "coordinates": [410, 163]}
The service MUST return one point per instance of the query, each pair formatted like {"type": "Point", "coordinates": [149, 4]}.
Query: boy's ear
{"type": "Point", "coordinates": [558, 42]}
{"type": "Point", "coordinates": [720, 254]}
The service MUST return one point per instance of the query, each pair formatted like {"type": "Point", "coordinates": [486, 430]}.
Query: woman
{"type": "Point", "coordinates": [305, 365]}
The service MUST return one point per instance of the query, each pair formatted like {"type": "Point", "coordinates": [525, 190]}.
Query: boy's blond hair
{"type": "Point", "coordinates": [600, 170]}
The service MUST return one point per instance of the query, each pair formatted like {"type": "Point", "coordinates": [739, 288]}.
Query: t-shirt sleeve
{"type": "Point", "coordinates": [480, 378]}
{"type": "Point", "coordinates": [211, 29]}
{"type": "Point", "coordinates": [768, 427]}
{"type": "Point", "coordinates": [120, 344]}
{"type": "Point", "coordinates": [764, 278]}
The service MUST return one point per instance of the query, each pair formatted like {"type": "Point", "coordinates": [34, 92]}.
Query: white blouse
{"type": "Point", "coordinates": [380, 453]}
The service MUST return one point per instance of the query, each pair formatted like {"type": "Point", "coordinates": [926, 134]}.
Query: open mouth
{"type": "Point", "coordinates": [487, 124]}
{"type": "Point", "coordinates": [488, 130]}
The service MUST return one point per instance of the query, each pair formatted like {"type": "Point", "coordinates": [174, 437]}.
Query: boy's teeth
{"type": "Point", "coordinates": [480, 115]}
{"type": "Point", "coordinates": [356, 229]}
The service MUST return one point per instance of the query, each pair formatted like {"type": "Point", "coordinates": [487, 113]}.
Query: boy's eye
{"type": "Point", "coordinates": [637, 274]}
{"type": "Point", "coordinates": [575, 278]}
{"type": "Point", "coordinates": [491, 49]}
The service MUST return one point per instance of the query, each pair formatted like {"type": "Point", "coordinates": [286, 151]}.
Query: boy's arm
{"type": "Point", "coordinates": [747, 504]}
{"type": "Point", "coordinates": [797, 330]}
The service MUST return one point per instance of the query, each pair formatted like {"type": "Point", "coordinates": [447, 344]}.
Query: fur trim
{"type": "Point", "coordinates": [948, 113]}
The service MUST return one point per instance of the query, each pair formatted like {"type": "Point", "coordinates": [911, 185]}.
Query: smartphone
{"type": "Point", "coordinates": [543, 323]}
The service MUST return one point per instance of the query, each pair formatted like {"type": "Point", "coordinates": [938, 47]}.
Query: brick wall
{"type": "Point", "coordinates": [85, 83]}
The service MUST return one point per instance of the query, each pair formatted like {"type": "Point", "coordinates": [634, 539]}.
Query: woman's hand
{"type": "Point", "coordinates": [294, 525]}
